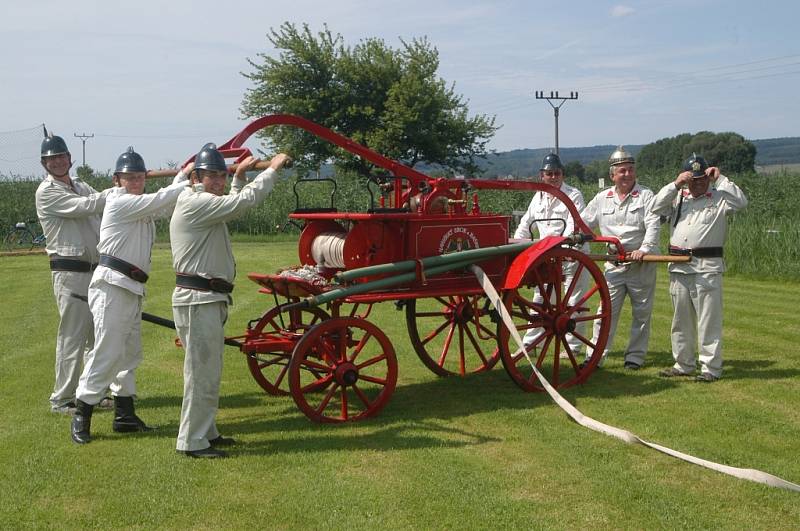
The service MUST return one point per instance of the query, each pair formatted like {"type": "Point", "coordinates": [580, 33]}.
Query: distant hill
{"type": "Point", "coordinates": [769, 152]}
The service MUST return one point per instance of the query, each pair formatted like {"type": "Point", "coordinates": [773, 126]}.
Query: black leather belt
{"type": "Point", "coordinates": [121, 266]}
{"type": "Point", "coordinates": [203, 284]}
{"type": "Point", "coordinates": [67, 264]}
{"type": "Point", "coordinates": [699, 252]}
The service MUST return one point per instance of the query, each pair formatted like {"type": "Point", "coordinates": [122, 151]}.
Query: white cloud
{"type": "Point", "coordinates": [621, 11]}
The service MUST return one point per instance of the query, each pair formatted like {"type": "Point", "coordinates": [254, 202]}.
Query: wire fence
{"type": "Point", "coordinates": [19, 154]}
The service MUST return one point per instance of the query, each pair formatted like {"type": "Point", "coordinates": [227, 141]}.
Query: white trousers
{"type": "Point", "coordinates": [75, 337]}
{"type": "Point", "coordinates": [117, 348]}
{"type": "Point", "coordinates": [575, 344]}
{"type": "Point", "coordinates": [637, 280]}
{"type": "Point", "coordinates": [697, 321]}
{"type": "Point", "coordinates": [200, 328]}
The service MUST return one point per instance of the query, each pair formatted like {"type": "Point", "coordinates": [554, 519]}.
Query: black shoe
{"type": "Point", "coordinates": [125, 419]}
{"type": "Point", "coordinates": [222, 441]}
{"type": "Point", "coordinates": [205, 453]}
{"type": "Point", "coordinates": [82, 422]}
{"type": "Point", "coordinates": [706, 377]}
{"type": "Point", "coordinates": [672, 372]}
{"type": "Point", "coordinates": [631, 366]}
{"type": "Point", "coordinates": [130, 424]}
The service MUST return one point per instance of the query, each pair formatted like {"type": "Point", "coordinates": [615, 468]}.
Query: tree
{"type": "Point", "coordinates": [389, 100]}
{"type": "Point", "coordinates": [597, 169]}
{"type": "Point", "coordinates": [84, 171]}
{"type": "Point", "coordinates": [575, 168]}
{"type": "Point", "coordinates": [729, 150]}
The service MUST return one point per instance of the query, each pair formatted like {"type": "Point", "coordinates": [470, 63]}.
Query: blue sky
{"type": "Point", "coordinates": [165, 76]}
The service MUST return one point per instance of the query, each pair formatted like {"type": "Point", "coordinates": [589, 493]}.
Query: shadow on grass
{"type": "Point", "coordinates": [733, 369]}
{"type": "Point", "coordinates": [418, 415]}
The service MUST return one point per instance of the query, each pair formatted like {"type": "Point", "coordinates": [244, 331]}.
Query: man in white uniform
{"type": "Point", "coordinates": [69, 211]}
{"type": "Point", "coordinates": [116, 291]}
{"type": "Point", "coordinates": [552, 218]}
{"type": "Point", "coordinates": [205, 270]}
{"type": "Point", "coordinates": [699, 225]}
{"type": "Point", "coordinates": [623, 212]}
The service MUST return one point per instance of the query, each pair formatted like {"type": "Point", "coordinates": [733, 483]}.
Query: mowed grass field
{"type": "Point", "coordinates": [473, 453]}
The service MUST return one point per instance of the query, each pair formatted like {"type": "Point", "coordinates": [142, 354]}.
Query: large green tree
{"type": "Point", "coordinates": [730, 151]}
{"type": "Point", "coordinates": [390, 100]}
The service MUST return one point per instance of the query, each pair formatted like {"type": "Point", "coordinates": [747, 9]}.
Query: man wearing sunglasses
{"type": "Point", "coordinates": [550, 217]}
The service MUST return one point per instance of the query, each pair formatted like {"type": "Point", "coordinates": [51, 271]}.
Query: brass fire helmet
{"type": "Point", "coordinates": [620, 156]}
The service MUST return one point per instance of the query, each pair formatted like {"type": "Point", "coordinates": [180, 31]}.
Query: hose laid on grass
{"type": "Point", "coordinates": [742, 473]}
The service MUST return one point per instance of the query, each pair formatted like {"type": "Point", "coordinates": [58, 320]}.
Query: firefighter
{"type": "Point", "coordinates": [69, 211]}
{"type": "Point", "coordinates": [623, 212]}
{"type": "Point", "coordinates": [551, 218]}
{"type": "Point", "coordinates": [116, 292]}
{"type": "Point", "coordinates": [205, 270]}
{"type": "Point", "coordinates": [698, 204]}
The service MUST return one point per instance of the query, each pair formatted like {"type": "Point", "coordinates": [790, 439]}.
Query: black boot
{"type": "Point", "coordinates": [125, 419]}
{"type": "Point", "coordinates": [82, 422]}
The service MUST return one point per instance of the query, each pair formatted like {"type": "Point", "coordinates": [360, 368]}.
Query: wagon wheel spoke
{"type": "Point", "coordinates": [360, 394]}
{"type": "Point", "coordinates": [462, 363]}
{"type": "Point", "coordinates": [326, 399]}
{"type": "Point", "coordinates": [574, 283]}
{"type": "Point", "coordinates": [543, 351]}
{"type": "Point", "coordinates": [371, 361]}
{"type": "Point", "coordinates": [310, 365]}
{"type": "Point", "coordinates": [359, 347]}
{"type": "Point", "coordinates": [373, 379]}
{"type": "Point", "coordinates": [344, 402]}
{"type": "Point", "coordinates": [447, 342]}
{"type": "Point", "coordinates": [435, 333]}
{"type": "Point", "coordinates": [475, 344]}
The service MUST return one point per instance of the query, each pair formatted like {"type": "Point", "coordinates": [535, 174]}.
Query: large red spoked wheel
{"type": "Point", "coordinates": [453, 335]}
{"type": "Point", "coordinates": [354, 359]}
{"type": "Point", "coordinates": [551, 320]}
{"type": "Point", "coordinates": [270, 343]}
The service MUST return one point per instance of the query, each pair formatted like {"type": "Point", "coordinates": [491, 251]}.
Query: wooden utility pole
{"type": "Point", "coordinates": [553, 97]}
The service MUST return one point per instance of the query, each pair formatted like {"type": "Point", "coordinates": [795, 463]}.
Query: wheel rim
{"type": "Point", "coordinates": [564, 310]}
{"type": "Point", "coordinates": [453, 335]}
{"type": "Point", "coordinates": [354, 359]}
{"type": "Point", "coordinates": [270, 343]}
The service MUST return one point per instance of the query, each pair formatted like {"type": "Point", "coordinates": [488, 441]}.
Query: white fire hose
{"type": "Point", "coordinates": [327, 249]}
{"type": "Point", "coordinates": [624, 435]}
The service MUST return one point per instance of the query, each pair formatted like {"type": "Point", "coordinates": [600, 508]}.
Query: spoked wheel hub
{"type": "Point", "coordinates": [564, 324]}
{"type": "Point", "coordinates": [462, 312]}
{"type": "Point", "coordinates": [346, 374]}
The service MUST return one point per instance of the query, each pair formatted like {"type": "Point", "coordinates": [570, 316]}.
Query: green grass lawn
{"type": "Point", "coordinates": [445, 453]}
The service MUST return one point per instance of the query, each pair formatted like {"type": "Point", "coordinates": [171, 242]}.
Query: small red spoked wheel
{"type": "Point", "coordinates": [548, 319]}
{"type": "Point", "coordinates": [457, 336]}
{"type": "Point", "coordinates": [270, 343]}
{"type": "Point", "coordinates": [354, 359]}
